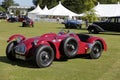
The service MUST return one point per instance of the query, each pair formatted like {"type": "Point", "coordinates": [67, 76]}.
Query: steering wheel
{"type": "Point", "coordinates": [62, 31]}
{"type": "Point", "coordinates": [68, 32]}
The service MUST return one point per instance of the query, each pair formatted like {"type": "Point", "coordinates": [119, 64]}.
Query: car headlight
{"type": "Point", "coordinates": [18, 39]}
{"type": "Point", "coordinates": [35, 42]}
{"type": "Point", "coordinates": [20, 49]}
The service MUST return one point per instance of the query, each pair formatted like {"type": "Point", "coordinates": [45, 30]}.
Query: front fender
{"type": "Point", "coordinates": [53, 45]}
{"type": "Point", "coordinates": [15, 37]}
{"type": "Point", "coordinates": [97, 27]}
{"type": "Point", "coordinates": [42, 43]}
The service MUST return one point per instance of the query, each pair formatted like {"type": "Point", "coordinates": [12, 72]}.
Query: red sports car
{"type": "Point", "coordinates": [47, 47]}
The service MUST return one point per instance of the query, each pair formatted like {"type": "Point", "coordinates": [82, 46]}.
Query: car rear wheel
{"type": "Point", "coordinates": [96, 50]}
{"type": "Point", "coordinates": [70, 47]}
{"type": "Point", "coordinates": [10, 53]}
{"type": "Point", "coordinates": [93, 30]}
{"type": "Point", "coordinates": [44, 56]}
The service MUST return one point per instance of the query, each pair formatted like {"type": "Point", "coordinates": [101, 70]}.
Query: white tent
{"type": "Point", "coordinates": [33, 14]}
{"type": "Point", "coordinates": [36, 10]}
{"type": "Point", "coordinates": [106, 10]}
{"type": "Point", "coordinates": [44, 11]}
{"type": "Point", "coordinates": [60, 10]}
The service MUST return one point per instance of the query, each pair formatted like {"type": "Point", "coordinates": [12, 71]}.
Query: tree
{"type": "Point", "coordinates": [108, 1]}
{"type": "Point", "coordinates": [36, 2]}
{"type": "Point", "coordinates": [2, 9]}
{"type": "Point", "coordinates": [7, 3]}
{"type": "Point", "coordinates": [90, 16]}
{"type": "Point", "coordinates": [79, 6]}
{"type": "Point", "coordinates": [74, 5]}
{"type": "Point", "coordinates": [49, 3]}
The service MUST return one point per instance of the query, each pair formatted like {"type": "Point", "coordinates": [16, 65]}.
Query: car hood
{"type": "Point", "coordinates": [47, 36]}
{"type": "Point", "coordinates": [98, 22]}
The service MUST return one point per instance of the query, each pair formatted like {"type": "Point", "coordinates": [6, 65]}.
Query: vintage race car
{"type": "Point", "coordinates": [47, 47]}
{"type": "Point", "coordinates": [27, 22]}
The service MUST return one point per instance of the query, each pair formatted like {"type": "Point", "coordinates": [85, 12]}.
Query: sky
{"type": "Point", "coordinates": [24, 2]}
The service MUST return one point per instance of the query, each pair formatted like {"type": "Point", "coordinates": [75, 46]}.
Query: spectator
{"type": "Point", "coordinates": [58, 20]}
{"type": "Point", "coordinates": [86, 22]}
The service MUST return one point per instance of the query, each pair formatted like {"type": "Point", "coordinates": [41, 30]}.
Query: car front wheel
{"type": "Point", "coordinates": [10, 50]}
{"type": "Point", "coordinates": [44, 56]}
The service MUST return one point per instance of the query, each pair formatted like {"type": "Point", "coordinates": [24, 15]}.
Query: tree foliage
{"type": "Point", "coordinates": [49, 3]}
{"type": "Point", "coordinates": [7, 3]}
{"type": "Point", "coordinates": [90, 16]}
{"type": "Point", "coordinates": [2, 9]}
{"type": "Point", "coordinates": [108, 1]}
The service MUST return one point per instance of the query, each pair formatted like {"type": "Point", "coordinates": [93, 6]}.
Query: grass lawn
{"type": "Point", "coordinates": [107, 67]}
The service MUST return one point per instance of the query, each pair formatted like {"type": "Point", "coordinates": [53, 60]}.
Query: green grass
{"type": "Point", "coordinates": [107, 67]}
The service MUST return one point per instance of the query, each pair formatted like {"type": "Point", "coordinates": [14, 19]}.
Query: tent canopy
{"type": "Point", "coordinates": [60, 10]}
{"type": "Point", "coordinates": [45, 8]}
{"type": "Point", "coordinates": [36, 10]}
{"type": "Point", "coordinates": [106, 10]}
{"type": "Point", "coordinates": [33, 14]}
{"type": "Point", "coordinates": [44, 11]}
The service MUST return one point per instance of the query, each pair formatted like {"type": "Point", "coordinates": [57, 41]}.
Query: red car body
{"type": "Point", "coordinates": [61, 44]}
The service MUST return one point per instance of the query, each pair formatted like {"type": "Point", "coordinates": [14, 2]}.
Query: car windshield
{"type": "Point", "coordinates": [113, 19]}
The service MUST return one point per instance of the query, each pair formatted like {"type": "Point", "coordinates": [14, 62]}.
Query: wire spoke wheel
{"type": "Point", "coordinates": [44, 56]}
{"type": "Point", "coordinates": [96, 50]}
{"type": "Point", "coordinates": [70, 47]}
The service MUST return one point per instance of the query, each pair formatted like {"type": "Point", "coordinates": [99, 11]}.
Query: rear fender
{"type": "Point", "coordinates": [15, 37]}
{"type": "Point", "coordinates": [92, 40]}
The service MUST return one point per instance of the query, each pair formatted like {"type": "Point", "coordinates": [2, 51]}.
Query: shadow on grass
{"type": "Point", "coordinates": [28, 64]}
{"type": "Point", "coordinates": [62, 27]}
{"type": "Point", "coordinates": [110, 33]}
{"type": "Point", "coordinates": [25, 26]}
{"type": "Point", "coordinates": [83, 56]}
{"type": "Point", "coordinates": [31, 64]}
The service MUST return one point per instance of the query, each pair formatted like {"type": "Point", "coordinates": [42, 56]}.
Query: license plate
{"type": "Point", "coordinates": [20, 57]}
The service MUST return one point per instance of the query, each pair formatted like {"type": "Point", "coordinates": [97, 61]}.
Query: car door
{"type": "Point", "coordinates": [111, 24]}
{"type": "Point", "coordinates": [108, 24]}
{"type": "Point", "coordinates": [115, 24]}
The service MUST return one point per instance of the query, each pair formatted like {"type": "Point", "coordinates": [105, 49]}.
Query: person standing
{"type": "Point", "coordinates": [86, 22]}
{"type": "Point", "coordinates": [58, 20]}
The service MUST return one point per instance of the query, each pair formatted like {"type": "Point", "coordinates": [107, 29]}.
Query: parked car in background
{"type": "Point", "coordinates": [47, 47]}
{"type": "Point", "coordinates": [3, 15]}
{"type": "Point", "coordinates": [111, 24]}
{"type": "Point", "coordinates": [76, 24]}
{"type": "Point", "coordinates": [27, 22]}
{"type": "Point", "coordinates": [12, 19]}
